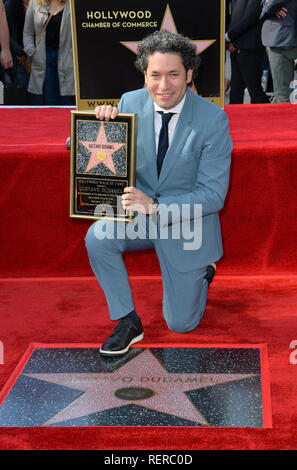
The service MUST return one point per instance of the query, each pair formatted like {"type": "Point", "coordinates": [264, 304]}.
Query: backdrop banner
{"type": "Point", "coordinates": [106, 37]}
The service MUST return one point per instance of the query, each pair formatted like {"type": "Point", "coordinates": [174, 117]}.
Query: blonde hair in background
{"type": "Point", "coordinates": [45, 3]}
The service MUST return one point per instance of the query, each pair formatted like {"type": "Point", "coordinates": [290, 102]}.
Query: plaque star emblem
{"type": "Point", "coordinates": [169, 25]}
{"type": "Point", "coordinates": [142, 381]}
{"type": "Point", "coordinates": [101, 151]}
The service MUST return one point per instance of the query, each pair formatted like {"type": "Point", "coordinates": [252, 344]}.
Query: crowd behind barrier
{"type": "Point", "coordinates": [37, 60]}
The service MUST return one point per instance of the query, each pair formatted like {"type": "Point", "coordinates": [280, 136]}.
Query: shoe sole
{"type": "Point", "coordinates": [122, 351]}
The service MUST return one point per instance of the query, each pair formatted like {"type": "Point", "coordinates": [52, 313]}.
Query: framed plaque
{"type": "Point", "coordinates": [103, 162]}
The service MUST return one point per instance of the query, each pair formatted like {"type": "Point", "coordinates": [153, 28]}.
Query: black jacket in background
{"type": "Point", "coordinates": [244, 30]}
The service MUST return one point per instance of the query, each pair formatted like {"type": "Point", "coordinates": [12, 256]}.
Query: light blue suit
{"type": "Point", "coordinates": [195, 172]}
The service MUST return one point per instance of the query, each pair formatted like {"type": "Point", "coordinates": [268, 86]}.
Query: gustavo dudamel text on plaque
{"type": "Point", "coordinates": [103, 161]}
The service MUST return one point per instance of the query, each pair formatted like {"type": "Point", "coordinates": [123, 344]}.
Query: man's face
{"type": "Point", "coordinates": [166, 79]}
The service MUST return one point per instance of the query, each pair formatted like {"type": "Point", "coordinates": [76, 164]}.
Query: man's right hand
{"type": "Point", "coordinates": [231, 47]}
{"type": "Point", "coordinates": [282, 13]}
{"type": "Point", "coordinates": [105, 113]}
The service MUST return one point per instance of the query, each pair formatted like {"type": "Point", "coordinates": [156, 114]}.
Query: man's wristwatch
{"type": "Point", "coordinates": [155, 206]}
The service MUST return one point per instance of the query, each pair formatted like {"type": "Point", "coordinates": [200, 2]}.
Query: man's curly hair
{"type": "Point", "coordinates": [166, 42]}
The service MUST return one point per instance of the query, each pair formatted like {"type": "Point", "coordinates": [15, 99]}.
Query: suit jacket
{"type": "Point", "coordinates": [245, 27]}
{"type": "Point", "coordinates": [195, 171]}
{"type": "Point", "coordinates": [279, 32]}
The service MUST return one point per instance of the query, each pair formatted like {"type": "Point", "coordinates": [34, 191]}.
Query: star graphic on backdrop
{"type": "Point", "coordinates": [169, 25]}
{"type": "Point", "coordinates": [101, 151]}
{"type": "Point", "coordinates": [143, 373]}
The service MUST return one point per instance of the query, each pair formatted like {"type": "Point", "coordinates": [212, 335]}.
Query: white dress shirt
{"type": "Point", "coordinates": [172, 123]}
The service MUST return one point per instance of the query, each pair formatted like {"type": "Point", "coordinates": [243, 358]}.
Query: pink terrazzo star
{"type": "Point", "coordinates": [101, 151]}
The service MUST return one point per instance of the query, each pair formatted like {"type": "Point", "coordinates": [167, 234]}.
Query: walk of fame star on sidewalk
{"type": "Point", "coordinates": [59, 385]}
{"type": "Point", "coordinates": [168, 388]}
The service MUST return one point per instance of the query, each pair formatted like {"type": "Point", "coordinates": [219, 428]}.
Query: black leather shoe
{"type": "Point", "coordinates": [210, 272]}
{"type": "Point", "coordinates": [125, 334]}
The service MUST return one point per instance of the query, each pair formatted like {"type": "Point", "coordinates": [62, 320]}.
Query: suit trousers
{"type": "Point", "coordinates": [246, 72]}
{"type": "Point", "coordinates": [282, 65]}
{"type": "Point", "coordinates": [184, 293]}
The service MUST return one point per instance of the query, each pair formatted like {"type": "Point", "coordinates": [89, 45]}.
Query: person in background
{"type": "Point", "coordinates": [279, 36]}
{"type": "Point", "coordinates": [247, 53]}
{"type": "Point", "coordinates": [15, 12]}
{"type": "Point", "coordinates": [5, 55]}
{"type": "Point", "coordinates": [48, 42]}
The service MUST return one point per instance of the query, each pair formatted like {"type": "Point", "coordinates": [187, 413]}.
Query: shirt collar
{"type": "Point", "coordinates": [176, 109]}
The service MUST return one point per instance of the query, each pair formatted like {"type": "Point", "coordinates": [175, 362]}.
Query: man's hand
{"type": "Point", "coordinates": [135, 200]}
{"type": "Point", "coordinates": [282, 13]}
{"type": "Point", "coordinates": [231, 47]}
{"type": "Point", "coordinates": [21, 59]}
{"type": "Point", "coordinates": [105, 113]}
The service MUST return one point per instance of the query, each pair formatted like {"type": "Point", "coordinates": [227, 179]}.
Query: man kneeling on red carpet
{"type": "Point", "coordinates": [182, 176]}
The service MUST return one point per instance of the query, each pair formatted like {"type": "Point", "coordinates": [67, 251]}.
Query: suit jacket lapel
{"type": "Point", "coordinates": [148, 127]}
{"type": "Point", "coordinates": [180, 136]}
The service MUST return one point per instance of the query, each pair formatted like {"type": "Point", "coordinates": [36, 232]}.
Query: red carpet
{"type": "Point", "coordinates": [257, 221]}
{"type": "Point", "coordinates": [243, 309]}
{"type": "Point", "coordinates": [252, 299]}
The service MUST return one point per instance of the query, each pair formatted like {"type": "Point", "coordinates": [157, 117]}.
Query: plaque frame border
{"type": "Point", "coordinates": [131, 120]}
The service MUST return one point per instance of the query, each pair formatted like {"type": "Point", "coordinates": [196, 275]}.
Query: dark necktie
{"type": "Point", "coordinates": [163, 139]}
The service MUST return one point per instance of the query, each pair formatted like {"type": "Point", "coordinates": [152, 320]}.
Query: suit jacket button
{"type": "Point", "coordinates": [157, 194]}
